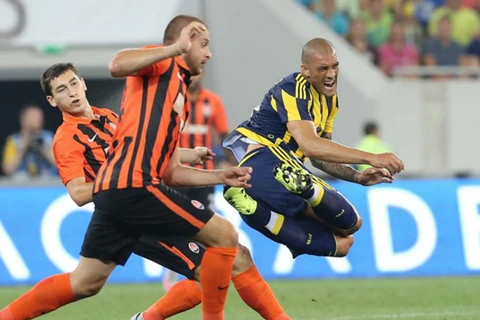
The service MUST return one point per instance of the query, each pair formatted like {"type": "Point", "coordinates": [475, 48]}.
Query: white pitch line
{"type": "Point", "coordinates": [405, 315]}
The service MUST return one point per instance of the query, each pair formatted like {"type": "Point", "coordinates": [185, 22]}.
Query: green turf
{"type": "Point", "coordinates": [412, 298]}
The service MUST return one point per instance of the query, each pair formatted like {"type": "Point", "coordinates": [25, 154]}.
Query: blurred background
{"type": "Point", "coordinates": [409, 83]}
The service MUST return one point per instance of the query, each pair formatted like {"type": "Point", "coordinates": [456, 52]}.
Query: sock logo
{"type": "Point", "coordinates": [309, 240]}
{"type": "Point", "coordinates": [222, 288]}
{"type": "Point", "coordinates": [193, 247]}
{"type": "Point", "coordinates": [342, 212]}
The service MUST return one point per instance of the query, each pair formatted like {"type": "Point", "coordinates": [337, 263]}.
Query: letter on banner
{"type": "Point", "coordinates": [379, 200]}
{"type": "Point", "coordinates": [50, 228]}
{"type": "Point", "coordinates": [284, 262]}
{"type": "Point", "coordinates": [11, 257]}
{"type": "Point", "coordinates": [468, 202]}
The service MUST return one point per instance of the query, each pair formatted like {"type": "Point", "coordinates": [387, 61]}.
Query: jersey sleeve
{"type": "Point", "coordinates": [333, 101]}
{"type": "Point", "coordinates": [221, 121]}
{"type": "Point", "coordinates": [157, 68]}
{"type": "Point", "coordinates": [69, 159]}
{"type": "Point", "coordinates": [9, 150]}
{"type": "Point", "coordinates": [293, 101]}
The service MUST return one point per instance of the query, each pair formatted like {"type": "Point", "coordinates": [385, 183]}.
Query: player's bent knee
{"type": "Point", "coordinates": [351, 231]}
{"type": "Point", "coordinates": [84, 286]}
{"type": "Point", "coordinates": [243, 260]}
{"type": "Point", "coordinates": [343, 245]}
{"type": "Point", "coordinates": [218, 232]}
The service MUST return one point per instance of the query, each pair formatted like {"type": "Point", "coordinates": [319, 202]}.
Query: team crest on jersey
{"type": "Point", "coordinates": [193, 247]}
{"type": "Point", "coordinates": [198, 204]}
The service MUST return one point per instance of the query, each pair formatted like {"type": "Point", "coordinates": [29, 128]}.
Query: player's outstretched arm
{"type": "Point", "coordinates": [177, 175]}
{"type": "Point", "coordinates": [196, 156]}
{"type": "Point", "coordinates": [345, 172]}
{"type": "Point", "coordinates": [80, 191]}
{"type": "Point", "coordinates": [322, 149]}
{"type": "Point", "coordinates": [128, 62]}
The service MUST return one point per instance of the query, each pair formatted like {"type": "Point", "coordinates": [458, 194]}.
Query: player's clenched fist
{"type": "Point", "coordinates": [184, 42]}
{"type": "Point", "coordinates": [237, 177]}
{"type": "Point", "coordinates": [388, 161]}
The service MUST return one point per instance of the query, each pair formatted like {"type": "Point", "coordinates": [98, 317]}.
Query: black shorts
{"type": "Point", "coordinates": [204, 195]}
{"type": "Point", "coordinates": [123, 216]}
{"type": "Point", "coordinates": [181, 256]}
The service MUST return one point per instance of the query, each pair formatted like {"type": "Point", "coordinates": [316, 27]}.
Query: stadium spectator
{"type": "Point", "coordinates": [309, 4]}
{"type": "Point", "coordinates": [465, 22]}
{"type": "Point", "coordinates": [378, 21]}
{"type": "Point", "coordinates": [351, 8]}
{"type": "Point", "coordinates": [333, 17]}
{"type": "Point", "coordinates": [207, 123]}
{"type": "Point", "coordinates": [357, 37]}
{"type": "Point", "coordinates": [472, 53]}
{"type": "Point", "coordinates": [442, 50]}
{"type": "Point", "coordinates": [28, 153]}
{"type": "Point", "coordinates": [396, 52]}
{"type": "Point", "coordinates": [423, 11]}
{"type": "Point", "coordinates": [372, 142]}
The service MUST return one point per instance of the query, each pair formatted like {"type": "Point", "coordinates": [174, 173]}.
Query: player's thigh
{"type": "Point", "coordinates": [265, 187]}
{"type": "Point", "coordinates": [107, 239]}
{"type": "Point", "coordinates": [179, 255]}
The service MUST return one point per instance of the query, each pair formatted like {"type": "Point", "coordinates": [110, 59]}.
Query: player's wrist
{"type": "Point", "coordinates": [177, 49]}
{"type": "Point", "coordinates": [368, 158]}
{"type": "Point", "coordinates": [220, 176]}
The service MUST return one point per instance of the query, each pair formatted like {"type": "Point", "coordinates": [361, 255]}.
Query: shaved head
{"type": "Point", "coordinates": [317, 46]}
{"type": "Point", "coordinates": [320, 65]}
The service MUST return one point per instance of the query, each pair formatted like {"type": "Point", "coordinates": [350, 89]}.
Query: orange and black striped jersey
{"type": "Point", "coordinates": [206, 116]}
{"type": "Point", "coordinates": [81, 145]}
{"type": "Point", "coordinates": [152, 114]}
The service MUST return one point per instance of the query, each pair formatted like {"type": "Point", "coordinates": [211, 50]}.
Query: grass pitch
{"type": "Point", "coordinates": [400, 298]}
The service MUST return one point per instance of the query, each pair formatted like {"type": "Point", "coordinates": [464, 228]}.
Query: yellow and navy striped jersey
{"type": "Point", "coordinates": [290, 99]}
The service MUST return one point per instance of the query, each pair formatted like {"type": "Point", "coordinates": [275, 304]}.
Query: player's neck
{"type": "Point", "coordinates": [87, 113]}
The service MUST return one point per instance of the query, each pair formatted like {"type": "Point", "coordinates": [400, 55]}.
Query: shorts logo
{"type": "Point", "coordinates": [198, 204]}
{"type": "Point", "coordinates": [193, 247]}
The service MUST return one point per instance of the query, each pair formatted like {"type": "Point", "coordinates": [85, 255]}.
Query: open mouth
{"type": "Point", "coordinates": [329, 84]}
{"type": "Point", "coordinates": [76, 101]}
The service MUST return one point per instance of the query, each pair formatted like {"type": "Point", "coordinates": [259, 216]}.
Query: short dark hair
{"type": "Point", "coordinates": [54, 72]}
{"type": "Point", "coordinates": [370, 128]}
{"type": "Point", "coordinates": [175, 26]}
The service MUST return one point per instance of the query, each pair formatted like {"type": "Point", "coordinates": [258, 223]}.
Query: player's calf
{"type": "Point", "coordinates": [343, 245]}
{"type": "Point", "coordinates": [327, 204]}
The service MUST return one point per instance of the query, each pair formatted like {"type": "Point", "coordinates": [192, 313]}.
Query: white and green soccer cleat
{"type": "Point", "coordinates": [295, 180]}
{"type": "Point", "coordinates": [240, 200]}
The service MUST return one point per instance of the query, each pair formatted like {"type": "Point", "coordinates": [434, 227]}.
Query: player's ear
{"type": "Point", "coordinates": [305, 71]}
{"type": "Point", "coordinates": [84, 84]}
{"type": "Point", "coordinates": [52, 101]}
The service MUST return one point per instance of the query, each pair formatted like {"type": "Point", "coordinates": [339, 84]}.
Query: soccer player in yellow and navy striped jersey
{"type": "Point", "coordinates": [294, 122]}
